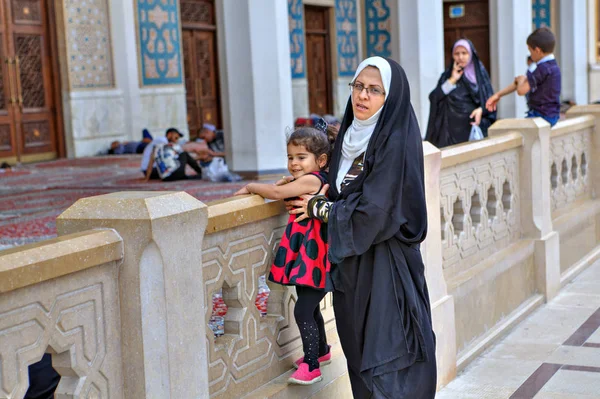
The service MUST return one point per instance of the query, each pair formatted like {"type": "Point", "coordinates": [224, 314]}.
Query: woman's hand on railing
{"type": "Point", "coordinates": [476, 115]}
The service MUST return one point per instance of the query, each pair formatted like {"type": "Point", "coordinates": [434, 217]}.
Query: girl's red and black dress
{"type": "Point", "coordinates": [301, 258]}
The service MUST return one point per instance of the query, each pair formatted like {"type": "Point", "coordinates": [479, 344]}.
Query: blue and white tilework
{"type": "Point", "coordinates": [159, 42]}
{"type": "Point", "coordinates": [88, 44]}
{"type": "Point", "coordinates": [378, 27]}
{"type": "Point", "coordinates": [347, 36]}
{"type": "Point", "coordinates": [541, 13]}
{"type": "Point", "coordinates": [296, 23]}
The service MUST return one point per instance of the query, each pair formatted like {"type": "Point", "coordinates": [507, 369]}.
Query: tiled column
{"type": "Point", "coordinates": [536, 208]}
{"type": "Point", "coordinates": [161, 297]}
{"type": "Point", "coordinates": [510, 24]}
{"type": "Point", "coordinates": [254, 54]}
{"type": "Point", "coordinates": [421, 50]}
{"type": "Point", "coordinates": [442, 304]}
{"type": "Point", "coordinates": [573, 50]}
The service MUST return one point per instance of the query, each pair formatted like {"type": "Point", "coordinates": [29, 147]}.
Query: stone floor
{"type": "Point", "coordinates": [553, 354]}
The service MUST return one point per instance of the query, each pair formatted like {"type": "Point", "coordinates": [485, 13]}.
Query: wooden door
{"type": "Point", "coordinates": [318, 60]}
{"type": "Point", "coordinates": [200, 64]}
{"type": "Point", "coordinates": [473, 24]}
{"type": "Point", "coordinates": [27, 114]}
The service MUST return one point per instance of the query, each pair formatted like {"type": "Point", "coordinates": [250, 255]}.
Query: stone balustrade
{"type": "Point", "coordinates": [242, 235]}
{"type": "Point", "coordinates": [125, 308]}
{"type": "Point", "coordinates": [61, 297]}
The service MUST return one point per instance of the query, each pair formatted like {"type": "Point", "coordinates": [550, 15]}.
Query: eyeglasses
{"type": "Point", "coordinates": [371, 90]}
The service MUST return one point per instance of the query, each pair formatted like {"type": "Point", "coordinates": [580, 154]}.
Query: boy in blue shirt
{"type": "Point", "coordinates": [541, 84]}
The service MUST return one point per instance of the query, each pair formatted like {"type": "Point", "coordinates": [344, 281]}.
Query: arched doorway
{"type": "Point", "coordinates": [468, 19]}
{"type": "Point", "coordinates": [318, 59]}
{"type": "Point", "coordinates": [28, 89]}
{"type": "Point", "coordinates": [203, 97]}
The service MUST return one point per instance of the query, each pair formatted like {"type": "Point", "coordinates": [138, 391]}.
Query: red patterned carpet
{"type": "Point", "coordinates": [32, 196]}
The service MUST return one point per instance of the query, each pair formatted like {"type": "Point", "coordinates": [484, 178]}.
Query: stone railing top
{"type": "Point", "coordinates": [584, 109]}
{"type": "Point", "coordinates": [236, 211]}
{"type": "Point", "coordinates": [518, 124]}
{"type": "Point", "coordinates": [573, 124]}
{"type": "Point", "coordinates": [463, 153]}
{"type": "Point", "coordinates": [124, 205]}
{"type": "Point", "coordinates": [34, 263]}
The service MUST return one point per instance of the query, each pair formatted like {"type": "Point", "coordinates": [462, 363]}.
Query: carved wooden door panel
{"type": "Point", "coordinates": [27, 73]}
{"type": "Point", "coordinates": [200, 64]}
{"type": "Point", "coordinates": [7, 97]}
{"type": "Point", "coordinates": [472, 23]}
{"type": "Point", "coordinates": [318, 60]}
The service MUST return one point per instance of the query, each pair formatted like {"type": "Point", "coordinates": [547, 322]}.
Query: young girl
{"type": "Point", "coordinates": [301, 259]}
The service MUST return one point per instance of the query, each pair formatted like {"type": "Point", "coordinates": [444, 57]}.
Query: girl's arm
{"type": "Point", "coordinates": [306, 184]}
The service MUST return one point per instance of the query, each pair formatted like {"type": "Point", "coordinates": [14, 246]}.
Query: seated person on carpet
{"type": "Point", "coordinates": [172, 157]}
{"type": "Point", "coordinates": [213, 139]}
{"type": "Point", "coordinates": [131, 147]}
{"type": "Point", "coordinates": [214, 164]}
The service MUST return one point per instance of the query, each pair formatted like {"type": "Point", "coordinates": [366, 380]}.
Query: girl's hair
{"type": "Point", "coordinates": [316, 141]}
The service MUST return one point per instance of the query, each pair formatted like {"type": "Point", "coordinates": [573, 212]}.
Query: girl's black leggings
{"type": "Point", "coordinates": [311, 324]}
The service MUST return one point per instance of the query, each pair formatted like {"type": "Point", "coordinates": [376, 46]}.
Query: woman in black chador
{"type": "Point", "coordinates": [458, 101]}
{"type": "Point", "coordinates": [376, 219]}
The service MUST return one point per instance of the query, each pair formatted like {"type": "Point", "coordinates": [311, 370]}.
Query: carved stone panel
{"type": "Point", "coordinates": [480, 209]}
{"type": "Point", "coordinates": [569, 175]}
{"type": "Point", "coordinates": [76, 319]}
{"type": "Point", "coordinates": [254, 349]}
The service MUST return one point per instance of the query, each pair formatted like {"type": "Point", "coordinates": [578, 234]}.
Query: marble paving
{"type": "Point", "coordinates": [553, 354]}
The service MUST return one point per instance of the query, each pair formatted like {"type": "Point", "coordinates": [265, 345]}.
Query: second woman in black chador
{"type": "Point", "coordinates": [459, 99]}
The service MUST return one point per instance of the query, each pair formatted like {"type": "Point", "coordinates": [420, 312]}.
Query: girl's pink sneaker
{"type": "Point", "coordinates": [323, 360]}
{"type": "Point", "coordinates": [303, 376]}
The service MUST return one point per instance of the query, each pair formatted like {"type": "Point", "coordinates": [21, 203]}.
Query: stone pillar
{"type": "Point", "coordinates": [93, 103]}
{"type": "Point", "coordinates": [442, 304]}
{"type": "Point", "coordinates": [535, 196]}
{"type": "Point", "coordinates": [123, 26]}
{"type": "Point", "coordinates": [163, 341]}
{"type": "Point", "coordinates": [510, 24]}
{"type": "Point", "coordinates": [254, 54]}
{"type": "Point", "coordinates": [573, 50]}
{"type": "Point", "coordinates": [421, 50]}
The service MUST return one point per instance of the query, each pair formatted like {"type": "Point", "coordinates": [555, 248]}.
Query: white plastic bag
{"type": "Point", "coordinates": [476, 133]}
{"type": "Point", "coordinates": [217, 169]}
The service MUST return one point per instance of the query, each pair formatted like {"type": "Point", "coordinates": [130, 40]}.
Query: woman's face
{"type": "Point", "coordinates": [461, 56]}
{"type": "Point", "coordinates": [365, 103]}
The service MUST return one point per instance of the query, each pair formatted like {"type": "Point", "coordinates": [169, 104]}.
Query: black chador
{"type": "Point", "coordinates": [449, 121]}
{"type": "Point", "coordinates": [375, 227]}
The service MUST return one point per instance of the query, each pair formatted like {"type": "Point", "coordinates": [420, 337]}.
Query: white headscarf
{"type": "Point", "coordinates": [359, 133]}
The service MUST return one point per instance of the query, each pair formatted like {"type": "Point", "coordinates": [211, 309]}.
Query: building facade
{"type": "Point", "coordinates": [79, 74]}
